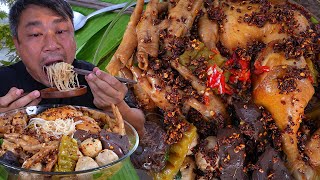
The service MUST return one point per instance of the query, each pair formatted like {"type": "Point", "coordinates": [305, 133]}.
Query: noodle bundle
{"type": "Point", "coordinates": [62, 76]}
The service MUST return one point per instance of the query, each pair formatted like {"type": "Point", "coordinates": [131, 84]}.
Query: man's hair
{"type": "Point", "coordinates": [61, 7]}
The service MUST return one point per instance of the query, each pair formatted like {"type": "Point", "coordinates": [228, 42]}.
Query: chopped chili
{"type": "Point", "coordinates": [216, 80]}
{"type": "Point", "coordinates": [239, 69]}
{"type": "Point", "coordinates": [259, 69]}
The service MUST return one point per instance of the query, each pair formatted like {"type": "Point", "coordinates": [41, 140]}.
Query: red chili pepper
{"type": "Point", "coordinates": [239, 69]}
{"type": "Point", "coordinates": [216, 80]}
{"type": "Point", "coordinates": [260, 69]}
{"type": "Point", "coordinates": [244, 76]}
{"type": "Point", "coordinates": [244, 64]}
{"type": "Point", "coordinates": [311, 79]}
{"type": "Point", "coordinates": [214, 51]}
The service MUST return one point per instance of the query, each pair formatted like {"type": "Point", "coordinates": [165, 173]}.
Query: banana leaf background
{"type": "Point", "coordinates": [99, 38]}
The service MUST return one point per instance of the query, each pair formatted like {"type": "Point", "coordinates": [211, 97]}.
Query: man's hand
{"type": "Point", "coordinates": [15, 98]}
{"type": "Point", "coordinates": [106, 89]}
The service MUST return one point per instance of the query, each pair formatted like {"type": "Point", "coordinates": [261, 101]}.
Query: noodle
{"type": "Point", "coordinates": [62, 76]}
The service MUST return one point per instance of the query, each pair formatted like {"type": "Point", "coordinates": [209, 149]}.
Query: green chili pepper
{"type": "Point", "coordinates": [67, 155]}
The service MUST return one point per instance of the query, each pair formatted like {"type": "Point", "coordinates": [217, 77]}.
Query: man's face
{"type": "Point", "coordinates": [44, 38]}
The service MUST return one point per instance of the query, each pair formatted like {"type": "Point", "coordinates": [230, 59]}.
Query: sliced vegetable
{"type": "Point", "coordinates": [199, 50]}
{"type": "Point", "coordinates": [177, 154]}
{"type": "Point", "coordinates": [67, 155]}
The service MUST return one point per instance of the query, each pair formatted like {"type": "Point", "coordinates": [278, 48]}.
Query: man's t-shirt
{"type": "Point", "coordinates": [16, 75]}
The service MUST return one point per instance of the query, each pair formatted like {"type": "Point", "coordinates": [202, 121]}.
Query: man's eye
{"type": "Point", "coordinates": [35, 35]}
{"type": "Point", "coordinates": [61, 31]}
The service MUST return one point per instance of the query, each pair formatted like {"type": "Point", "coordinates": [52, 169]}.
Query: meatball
{"type": "Point", "coordinates": [91, 147]}
{"type": "Point", "coordinates": [85, 163]}
{"type": "Point", "coordinates": [106, 156]}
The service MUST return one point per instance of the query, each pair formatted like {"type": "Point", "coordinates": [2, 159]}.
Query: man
{"type": "Point", "coordinates": [43, 34]}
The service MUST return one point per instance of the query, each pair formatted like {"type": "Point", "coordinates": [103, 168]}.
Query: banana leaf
{"type": "Point", "coordinates": [93, 25]}
{"type": "Point", "coordinates": [108, 33]}
{"type": "Point", "coordinates": [101, 35]}
{"type": "Point", "coordinates": [104, 62]}
{"type": "Point", "coordinates": [110, 43]}
{"type": "Point", "coordinates": [3, 173]}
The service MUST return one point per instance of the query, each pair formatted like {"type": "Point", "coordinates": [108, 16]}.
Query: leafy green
{"type": "Point", "coordinates": [93, 25]}
{"type": "Point", "coordinates": [126, 172]}
{"type": "Point", "coordinates": [104, 62]}
{"type": "Point", "coordinates": [1, 141]}
{"type": "Point", "coordinates": [3, 173]}
{"type": "Point", "coordinates": [111, 27]}
{"type": "Point", "coordinates": [110, 43]}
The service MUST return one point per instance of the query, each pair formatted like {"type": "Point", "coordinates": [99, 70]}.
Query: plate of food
{"type": "Point", "coordinates": [232, 84]}
{"type": "Point", "coordinates": [63, 141]}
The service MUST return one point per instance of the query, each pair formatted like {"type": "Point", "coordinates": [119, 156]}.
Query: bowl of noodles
{"type": "Point", "coordinates": [59, 141]}
{"type": "Point", "coordinates": [63, 81]}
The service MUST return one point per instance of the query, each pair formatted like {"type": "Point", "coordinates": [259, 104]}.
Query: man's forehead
{"type": "Point", "coordinates": [33, 15]}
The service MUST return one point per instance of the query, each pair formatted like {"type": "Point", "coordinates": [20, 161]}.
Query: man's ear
{"type": "Point", "coordinates": [16, 44]}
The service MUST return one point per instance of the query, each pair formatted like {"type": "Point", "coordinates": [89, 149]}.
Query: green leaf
{"type": "Point", "coordinates": [104, 61]}
{"type": "Point", "coordinates": [111, 27]}
{"type": "Point", "coordinates": [93, 25]}
{"type": "Point", "coordinates": [126, 172]}
{"type": "Point", "coordinates": [109, 44]}
{"type": "Point", "coordinates": [3, 173]}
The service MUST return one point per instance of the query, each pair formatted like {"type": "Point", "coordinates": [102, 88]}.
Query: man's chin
{"type": "Point", "coordinates": [45, 82]}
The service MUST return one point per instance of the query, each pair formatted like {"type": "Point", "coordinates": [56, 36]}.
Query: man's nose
{"type": "Point", "coordinates": [51, 42]}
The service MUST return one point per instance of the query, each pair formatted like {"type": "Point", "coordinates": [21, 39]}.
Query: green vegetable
{"type": "Point", "coordinates": [178, 153]}
{"type": "Point", "coordinates": [313, 71]}
{"type": "Point", "coordinates": [314, 20]}
{"type": "Point", "coordinates": [1, 141]}
{"type": "Point", "coordinates": [67, 155]}
{"type": "Point", "coordinates": [201, 51]}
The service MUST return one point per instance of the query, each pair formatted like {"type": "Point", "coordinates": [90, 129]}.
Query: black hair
{"type": "Point", "coordinates": [61, 7]}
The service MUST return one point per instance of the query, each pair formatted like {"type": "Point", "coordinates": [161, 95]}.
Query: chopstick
{"type": "Point", "coordinates": [86, 72]}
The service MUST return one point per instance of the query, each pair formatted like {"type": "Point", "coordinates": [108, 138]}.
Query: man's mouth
{"type": "Point", "coordinates": [49, 63]}
{"type": "Point", "coordinates": [52, 62]}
